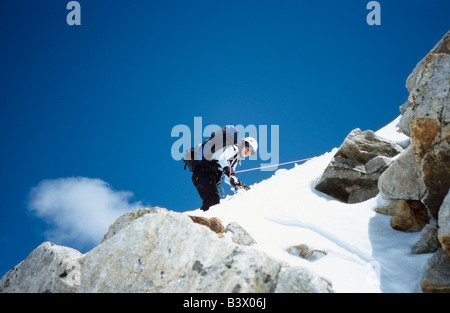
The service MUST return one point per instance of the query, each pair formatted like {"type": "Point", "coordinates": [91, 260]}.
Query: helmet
{"type": "Point", "coordinates": [251, 144]}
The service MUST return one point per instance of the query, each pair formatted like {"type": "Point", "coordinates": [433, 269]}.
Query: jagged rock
{"type": "Point", "coordinates": [429, 86]}
{"type": "Point", "coordinates": [304, 251]}
{"type": "Point", "coordinates": [407, 215]}
{"type": "Point", "coordinates": [437, 276]}
{"type": "Point", "coordinates": [48, 268]}
{"type": "Point", "coordinates": [403, 178]}
{"type": "Point", "coordinates": [444, 224]}
{"type": "Point", "coordinates": [428, 241]}
{"type": "Point", "coordinates": [352, 175]}
{"type": "Point", "coordinates": [212, 223]}
{"type": "Point", "coordinates": [166, 252]}
{"type": "Point", "coordinates": [159, 252]}
{"type": "Point", "coordinates": [406, 118]}
{"type": "Point", "coordinates": [240, 235]}
{"type": "Point", "coordinates": [443, 46]}
{"type": "Point", "coordinates": [127, 218]}
{"type": "Point", "coordinates": [364, 146]}
{"type": "Point", "coordinates": [298, 279]}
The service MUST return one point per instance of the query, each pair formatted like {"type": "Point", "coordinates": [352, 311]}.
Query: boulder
{"type": "Point", "coordinates": [407, 215]}
{"type": "Point", "coordinates": [352, 175]}
{"type": "Point", "coordinates": [437, 275]}
{"type": "Point", "coordinates": [306, 252]}
{"type": "Point", "coordinates": [298, 279]}
{"type": "Point", "coordinates": [428, 241]}
{"type": "Point", "coordinates": [48, 268]}
{"type": "Point", "coordinates": [126, 220]}
{"type": "Point", "coordinates": [240, 235]}
{"type": "Point", "coordinates": [444, 224]}
{"type": "Point", "coordinates": [403, 178]}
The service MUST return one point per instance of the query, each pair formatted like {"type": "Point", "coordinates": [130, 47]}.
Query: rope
{"type": "Point", "coordinates": [273, 165]}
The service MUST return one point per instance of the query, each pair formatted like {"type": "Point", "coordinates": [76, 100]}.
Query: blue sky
{"type": "Point", "coordinates": [86, 112]}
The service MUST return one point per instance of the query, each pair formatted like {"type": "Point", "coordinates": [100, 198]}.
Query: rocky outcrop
{"type": "Point", "coordinates": [429, 87]}
{"type": "Point", "coordinates": [422, 172]}
{"type": "Point", "coordinates": [127, 218]}
{"type": "Point", "coordinates": [159, 252]}
{"type": "Point", "coordinates": [352, 175]}
{"type": "Point", "coordinates": [48, 268]}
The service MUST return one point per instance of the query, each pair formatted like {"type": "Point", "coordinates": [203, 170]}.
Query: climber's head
{"type": "Point", "coordinates": [249, 145]}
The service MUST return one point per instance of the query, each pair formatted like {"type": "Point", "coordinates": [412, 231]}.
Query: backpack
{"type": "Point", "coordinates": [224, 137]}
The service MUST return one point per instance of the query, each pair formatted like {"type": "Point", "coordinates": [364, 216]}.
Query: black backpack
{"type": "Point", "coordinates": [223, 137]}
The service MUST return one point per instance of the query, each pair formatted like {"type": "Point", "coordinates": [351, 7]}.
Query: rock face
{"type": "Point", "coordinates": [422, 172]}
{"type": "Point", "coordinates": [48, 268]}
{"type": "Point", "coordinates": [429, 87]}
{"type": "Point", "coordinates": [159, 252]}
{"type": "Point", "coordinates": [126, 220]}
{"type": "Point", "coordinates": [352, 175]}
{"type": "Point", "coordinates": [418, 180]}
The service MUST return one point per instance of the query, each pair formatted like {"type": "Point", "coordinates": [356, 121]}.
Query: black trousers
{"type": "Point", "coordinates": [205, 179]}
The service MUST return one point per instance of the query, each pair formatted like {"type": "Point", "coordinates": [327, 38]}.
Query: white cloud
{"type": "Point", "coordinates": [78, 210]}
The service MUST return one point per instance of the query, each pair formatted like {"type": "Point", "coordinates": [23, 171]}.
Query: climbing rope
{"type": "Point", "coordinates": [273, 165]}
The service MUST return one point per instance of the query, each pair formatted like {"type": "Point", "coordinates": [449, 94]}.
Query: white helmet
{"type": "Point", "coordinates": [251, 144]}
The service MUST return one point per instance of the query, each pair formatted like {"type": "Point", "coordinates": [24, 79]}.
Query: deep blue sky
{"type": "Point", "coordinates": [100, 100]}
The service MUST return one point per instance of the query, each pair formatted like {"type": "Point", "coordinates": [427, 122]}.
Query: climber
{"type": "Point", "coordinates": [209, 172]}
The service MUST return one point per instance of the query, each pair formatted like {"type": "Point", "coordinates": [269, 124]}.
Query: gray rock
{"type": "Point", "coordinates": [126, 219]}
{"type": "Point", "coordinates": [159, 252]}
{"type": "Point", "coordinates": [240, 235]}
{"type": "Point", "coordinates": [403, 179]}
{"type": "Point", "coordinates": [377, 164]}
{"type": "Point", "coordinates": [406, 118]}
{"type": "Point", "coordinates": [166, 252]}
{"type": "Point", "coordinates": [300, 280]}
{"type": "Point", "coordinates": [364, 146]}
{"type": "Point", "coordinates": [48, 268]}
{"type": "Point", "coordinates": [428, 242]}
{"type": "Point", "coordinates": [441, 47]}
{"type": "Point", "coordinates": [437, 275]}
{"type": "Point", "coordinates": [352, 175]}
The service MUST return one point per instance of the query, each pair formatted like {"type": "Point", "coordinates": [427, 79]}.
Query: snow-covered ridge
{"type": "Point", "coordinates": [364, 254]}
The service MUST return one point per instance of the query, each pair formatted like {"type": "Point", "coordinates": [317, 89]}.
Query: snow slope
{"type": "Point", "coordinates": [364, 254]}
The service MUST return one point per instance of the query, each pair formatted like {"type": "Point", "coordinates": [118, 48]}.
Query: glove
{"type": "Point", "coordinates": [234, 181]}
{"type": "Point", "coordinates": [243, 186]}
